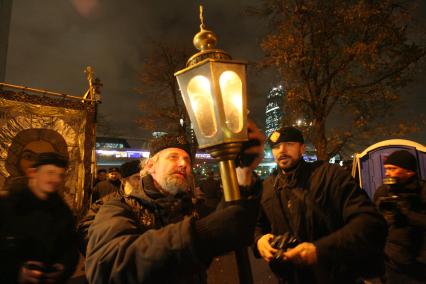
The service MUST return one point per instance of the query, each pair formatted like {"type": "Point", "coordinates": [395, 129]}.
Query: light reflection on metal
{"type": "Point", "coordinates": [201, 101]}
{"type": "Point", "coordinates": [232, 89]}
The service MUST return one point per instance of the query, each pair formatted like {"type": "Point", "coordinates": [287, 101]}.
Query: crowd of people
{"type": "Point", "coordinates": [309, 221]}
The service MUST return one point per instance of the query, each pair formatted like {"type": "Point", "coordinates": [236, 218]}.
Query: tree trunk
{"type": "Point", "coordinates": [320, 140]}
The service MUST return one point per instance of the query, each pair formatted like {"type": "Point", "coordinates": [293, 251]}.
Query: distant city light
{"type": "Point", "coordinates": [135, 154]}
{"type": "Point", "coordinates": [272, 109]}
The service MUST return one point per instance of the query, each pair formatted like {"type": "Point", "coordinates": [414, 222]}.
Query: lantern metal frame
{"type": "Point", "coordinates": [212, 69]}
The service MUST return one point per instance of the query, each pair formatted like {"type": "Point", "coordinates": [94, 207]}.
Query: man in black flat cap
{"type": "Point", "coordinates": [112, 184]}
{"type": "Point", "coordinates": [130, 176]}
{"type": "Point", "coordinates": [130, 173]}
{"type": "Point", "coordinates": [152, 234]}
{"type": "Point", "coordinates": [316, 225]}
{"type": "Point", "coordinates": [402, 201]}
{"type": "Point", "coordinates": [101, 175]}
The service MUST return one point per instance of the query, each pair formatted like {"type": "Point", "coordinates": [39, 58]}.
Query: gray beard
{"type": "Point", "coordinates": [173, 185]}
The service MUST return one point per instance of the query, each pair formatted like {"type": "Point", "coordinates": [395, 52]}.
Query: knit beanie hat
{"type": "Point", "coordinates": [130, 168]}
{"type": "Point", "coordinates": [402, 159]}
{"type": "Point", "coordinates": [169, 141]}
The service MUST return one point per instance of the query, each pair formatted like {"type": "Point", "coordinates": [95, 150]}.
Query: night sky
{"type": "Point", "coordinates": [51, 42]}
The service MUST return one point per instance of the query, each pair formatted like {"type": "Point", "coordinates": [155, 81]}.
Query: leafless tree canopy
{"type": "Point", "coordinates": [340, 58]}
{"type": "Point", "coordinates": [161, 104]}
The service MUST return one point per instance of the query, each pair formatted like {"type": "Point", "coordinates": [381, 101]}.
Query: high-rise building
{"type": "Point", "coordinates": [274, 109]}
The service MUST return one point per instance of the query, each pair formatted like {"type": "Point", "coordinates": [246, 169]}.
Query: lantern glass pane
{"type": "Point", "coordinates": [200, 96]}
{"type": "Point", "coordinates": [232, 96]}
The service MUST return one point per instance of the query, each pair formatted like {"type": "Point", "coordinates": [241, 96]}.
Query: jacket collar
{"type": "Point", "coordinates": [151, 197]}
{"type": "Point", "coordinates": [293, 177]}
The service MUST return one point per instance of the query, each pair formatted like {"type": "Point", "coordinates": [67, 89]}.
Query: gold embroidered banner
{"type": "Point", "coordinates": [34, 123]}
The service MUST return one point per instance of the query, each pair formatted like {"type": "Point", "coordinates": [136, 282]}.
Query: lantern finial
{"type": "Point", "coordinates": [205, 41]}
{"type": "Point", "coordinates": [202, 26]}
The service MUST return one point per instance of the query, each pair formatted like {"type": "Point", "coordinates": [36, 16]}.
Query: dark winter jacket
{"type": "Point", "coordinates": [404, 206]}
{"type": "Point", "coordinates": [34, 229]}
{"type": "Point", "coordinates": [323, 205]}
{"type": "Point", "coordinates": [85, 222]}
{"type": "Point", "coordinates": [143, 238]}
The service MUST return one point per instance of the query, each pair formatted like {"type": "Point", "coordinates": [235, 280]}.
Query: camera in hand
{"type": "Point", "coordinates": [398, 197]}
{"type": "Point", "coordinates": [282, 243]}
{"type": "Point", "coordinates": [243, 159]}
{"type": "Point", "coordinates": [389, 203]}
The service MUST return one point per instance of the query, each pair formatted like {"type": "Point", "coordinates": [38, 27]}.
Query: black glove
{"type": "Point", "coordinates": [225, 230]}
{"type": "Point", "coordinates": [243, 159]}
{"type": "Point", "coordinates": [252, 149]}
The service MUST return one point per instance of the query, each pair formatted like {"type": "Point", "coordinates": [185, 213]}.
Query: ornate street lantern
{"type": "Point", "coordinates": [213, 88]}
